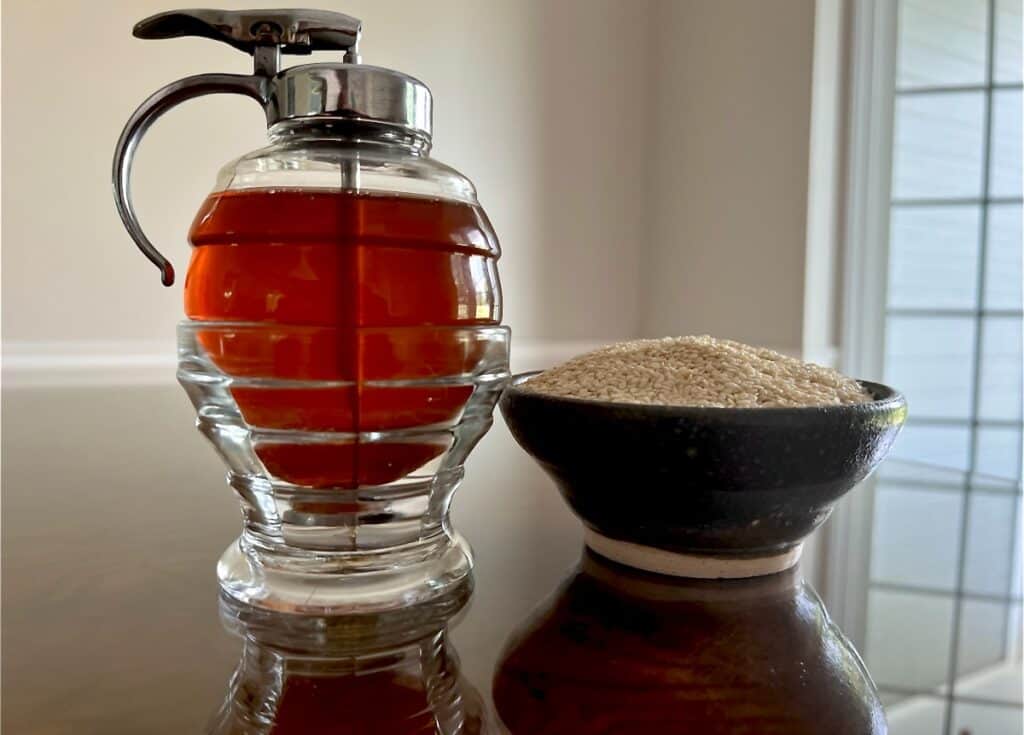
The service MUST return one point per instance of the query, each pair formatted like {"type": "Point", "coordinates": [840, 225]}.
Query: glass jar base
{"type": "Point", "coordinates": [694, 566]}
{"type": "Point", "coordinates": [244, 577]}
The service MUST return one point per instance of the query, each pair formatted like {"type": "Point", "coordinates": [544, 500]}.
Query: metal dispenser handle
{"type": "Point", "coordinates": [265, 34]}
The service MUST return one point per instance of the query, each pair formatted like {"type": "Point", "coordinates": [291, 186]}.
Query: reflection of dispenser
{"type": "Point", "coordinates": [395, 673]}
{"type": "Point", "coordinates": [624, 651]}
{"type": "Point", "coordinates": [342, 348]}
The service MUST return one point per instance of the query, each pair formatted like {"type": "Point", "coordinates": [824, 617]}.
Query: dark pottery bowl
{"type": "Point", "coordinates": [726, 482]}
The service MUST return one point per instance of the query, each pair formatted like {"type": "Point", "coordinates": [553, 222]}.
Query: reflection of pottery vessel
{"type": "Point", "coordinates": [386, 674]}
{"type": "Point", "coordinates": [702, 492]}
{"type": "Point", "coordinates": [621, 651]}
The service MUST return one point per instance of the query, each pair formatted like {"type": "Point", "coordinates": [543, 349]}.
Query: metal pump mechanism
{"type": "Point", "coordinates": [348, 91]}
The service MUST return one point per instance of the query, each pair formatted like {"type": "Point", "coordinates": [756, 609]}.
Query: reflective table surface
{"type": "Point", "coordinates": [611, 650]}
{"type": "Point", "coordinates": [115, 512]}
{"type": "Point", "coordinates": [113, 622]}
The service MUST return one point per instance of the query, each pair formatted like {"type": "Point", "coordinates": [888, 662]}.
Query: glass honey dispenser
{"type": "Point", "coordinates": [342, 343]}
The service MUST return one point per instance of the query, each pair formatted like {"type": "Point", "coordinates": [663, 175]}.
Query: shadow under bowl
{"type": "Point", "coordinates": [721, 482]}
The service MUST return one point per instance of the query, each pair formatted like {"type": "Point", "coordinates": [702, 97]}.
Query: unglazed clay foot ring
{"type": "Point", "coordinates": [660, 561]}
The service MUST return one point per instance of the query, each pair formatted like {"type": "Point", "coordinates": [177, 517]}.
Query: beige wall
{"type": "Point", "coordinates": [729, 162]}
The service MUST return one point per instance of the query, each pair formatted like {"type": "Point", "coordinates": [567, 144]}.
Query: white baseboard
{"type": "Point", "coordinates": [88, 364]}
{"type": "Point", "coordinates": [146, 363]}
{"type": "Point", "coordinates": [152, 363]}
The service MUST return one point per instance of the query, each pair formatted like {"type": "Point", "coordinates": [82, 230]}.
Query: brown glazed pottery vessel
{"type": "Point", "coordinates": [616, 651]}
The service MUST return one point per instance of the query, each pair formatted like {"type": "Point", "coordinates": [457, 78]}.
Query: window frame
{"type": "Point", "coordinates": [865, 240]}
{"type": "Point", "coordinates": [873, 95]}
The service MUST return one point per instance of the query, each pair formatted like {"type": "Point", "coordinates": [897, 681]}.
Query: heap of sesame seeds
{"type": "Point", "coordinates": [697, 371]}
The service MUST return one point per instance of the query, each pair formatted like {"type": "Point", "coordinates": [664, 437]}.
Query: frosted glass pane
{"type": "Point", "coordinates": [941, 42]}
{"type": "Point", "coordinates": [1005, 169]}
{"type": "Point", "coordinates": [920, 554]}
{"type": "Point", "coordinates": [1008, 46]}
{"type": "Point", "coordinates": [917, 716]}
{"type": "Point", "coordinates": [933, 257]}
{"type": "Point", "coordinates": [944, 446]}
{"type": "Point", "coordinates": [904, 473]}
{"type": "Point", "coordinates": [890, 698]}
{"type": "Point", "coordinates": [1001, 360]}
{"type": "Point", "coordinates": [982, 626]}
{"type": "Point", "coordinates": [1003, 272]}
{"type": "Point", "coordinates": [908, 638]}
{"type": "Point", "coordinates": [1017, 577]}
{"type": "Point", "coordinates": [930, 360]}
{"type": "Point", "coordinates": [938, 145]}
{"type": "Point", "coordinates": [988, 562]}
{"type": "Point", "coordinates": [984, 622]}
{"type": "Point", "coordinates": [986, 719]}
{"type": "Point", "coordinates": [998, 452]}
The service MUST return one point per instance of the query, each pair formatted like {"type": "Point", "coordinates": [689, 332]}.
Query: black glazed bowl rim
{"type": "Point", "coordinates": [885, 398]}
{"type": "Point", "coordinates": [703, 479]}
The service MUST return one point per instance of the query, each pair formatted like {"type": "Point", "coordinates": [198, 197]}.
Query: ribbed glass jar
{"type": "Point", "coordinates": [344, 353]}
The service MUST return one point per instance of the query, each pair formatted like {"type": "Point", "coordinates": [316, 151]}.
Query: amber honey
{"type": "Point", "coordinates": [348, 310]}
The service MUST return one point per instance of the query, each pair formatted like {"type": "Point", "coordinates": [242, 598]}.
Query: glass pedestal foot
{"type": "Point", "coordinates": [345, 583]}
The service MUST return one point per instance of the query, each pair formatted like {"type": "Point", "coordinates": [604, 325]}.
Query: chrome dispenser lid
{"type": "Point", "coordinates": [350, 90]}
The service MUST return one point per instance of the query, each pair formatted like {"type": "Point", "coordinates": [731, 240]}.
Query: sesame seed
{"type": "Point", "coordinates": [697, 371]}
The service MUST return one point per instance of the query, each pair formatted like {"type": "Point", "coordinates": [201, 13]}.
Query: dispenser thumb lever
{"type": "Point", "coordinates": [294, 31]}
